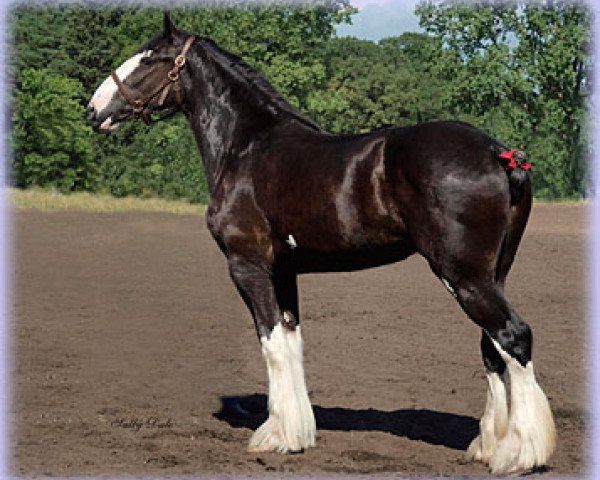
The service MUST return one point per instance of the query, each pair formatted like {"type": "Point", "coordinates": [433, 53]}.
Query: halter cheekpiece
{"type": "Point", "coordinates": [139, 105]}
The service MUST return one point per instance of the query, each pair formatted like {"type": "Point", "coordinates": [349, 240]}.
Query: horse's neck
{"type": "Point", "coordinates": [223, 125]}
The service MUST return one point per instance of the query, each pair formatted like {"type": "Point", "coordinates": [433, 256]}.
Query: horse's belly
{"type": "Point", "coordinates": [307, 260]}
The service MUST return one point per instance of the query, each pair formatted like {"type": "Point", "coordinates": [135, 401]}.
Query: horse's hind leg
{"type": "Point", "coordinates": [494, 421]}
{"type": "Point", "coordinates": [273, 301]}
{"type": "Point", "coordinates": [530, 437]}
{"type": "Point", "coordinates": [493, 424]}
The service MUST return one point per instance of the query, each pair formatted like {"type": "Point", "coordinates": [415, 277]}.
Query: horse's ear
{"type": "Point", "coordinates": [169, 26]}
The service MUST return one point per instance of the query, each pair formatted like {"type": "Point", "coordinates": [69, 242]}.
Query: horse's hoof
{"type": "Point", "coordinates": [261, 448]}
{"type": "Point", "coordinates": [270, 448]}
{"type": "Point", "coordinates": [268, 438]}
{"type": "Point", "coordinates": [516, 454]}
{"type": "Point", "coordinates": [478, 453]}
{"type": "Point", "coordinates": [473, 453]}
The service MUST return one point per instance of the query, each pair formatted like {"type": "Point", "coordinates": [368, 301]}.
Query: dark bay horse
{"type": "Point", "coordinates": [289, 198]}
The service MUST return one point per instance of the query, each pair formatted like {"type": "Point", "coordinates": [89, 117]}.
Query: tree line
{"type": "Point", "coordinates": [519, 71]}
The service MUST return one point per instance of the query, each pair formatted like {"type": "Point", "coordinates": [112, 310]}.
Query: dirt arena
{"type": "Point", "coordinates": [130, 340]}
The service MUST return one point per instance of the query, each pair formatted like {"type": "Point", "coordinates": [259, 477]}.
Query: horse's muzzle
{"type": "Point", "coordinates": [100, 123]}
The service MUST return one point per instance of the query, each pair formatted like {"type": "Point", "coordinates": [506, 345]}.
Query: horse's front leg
{"type": "Point", "coordinates": [273, 302]}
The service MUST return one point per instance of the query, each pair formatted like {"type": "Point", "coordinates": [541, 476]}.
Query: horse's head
{"type": "Point", "coordinates": [145, 83]}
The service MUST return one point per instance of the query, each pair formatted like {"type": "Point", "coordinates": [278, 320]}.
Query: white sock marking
{"type": "Point", "coordinates": [291, 424]}
{"type": "Point", "coordinates": [493, 423]}
{"type": "Point", "coordinates": [531, 435]}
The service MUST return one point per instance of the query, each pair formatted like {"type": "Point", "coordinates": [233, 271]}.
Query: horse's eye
{"type": "Point", "coordinates": [147, 60]}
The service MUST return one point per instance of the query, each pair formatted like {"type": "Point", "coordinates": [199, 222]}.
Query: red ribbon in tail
{"type": "Point", "coordinates": [515, 162]}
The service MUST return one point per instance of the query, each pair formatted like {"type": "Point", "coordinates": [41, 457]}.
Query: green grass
{"type": "Point", "coordinates": [92, 202]}
{"type": "Point", "coordinates": [561, 201]}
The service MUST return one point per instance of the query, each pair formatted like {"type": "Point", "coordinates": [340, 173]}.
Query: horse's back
{"type": "Point", "coordinates": [436, 148]}
{"type": "Point", "coordinates": [423, 151]}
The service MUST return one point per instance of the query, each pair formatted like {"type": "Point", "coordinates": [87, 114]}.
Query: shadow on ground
{"type": "Point", "coordinates": [437, 428]}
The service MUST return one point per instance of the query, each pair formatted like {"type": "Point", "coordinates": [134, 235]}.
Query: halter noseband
{"type": "Point", "coordinates": [139, 105]}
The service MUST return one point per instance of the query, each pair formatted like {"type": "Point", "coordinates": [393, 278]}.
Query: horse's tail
{"type": "Point", "coordinates": [517, 171]}
{"type": "Point", "coordinates": [519, 183]}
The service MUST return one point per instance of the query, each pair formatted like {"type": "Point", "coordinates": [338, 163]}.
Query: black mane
{"type": "Point", "coordinates": [259, 89]}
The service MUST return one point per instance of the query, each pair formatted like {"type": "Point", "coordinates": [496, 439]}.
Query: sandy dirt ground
{"type": "Point", "coordinates": [130, 345]}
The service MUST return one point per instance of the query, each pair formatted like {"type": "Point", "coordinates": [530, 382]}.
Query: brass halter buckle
{"type": "Point", "coordinates": [137, 106]}
{"type": "Point", "coordinates": [180, 61]}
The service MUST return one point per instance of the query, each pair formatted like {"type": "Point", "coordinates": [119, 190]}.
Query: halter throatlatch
{"type": "Point", "coordinates": [139, 105]}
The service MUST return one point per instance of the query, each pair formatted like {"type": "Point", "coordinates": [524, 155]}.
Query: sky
{"type": "Point", "coordinates": [377, 19]}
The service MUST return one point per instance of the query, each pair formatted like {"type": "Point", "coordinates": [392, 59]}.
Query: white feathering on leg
{"type": "Point", "coordinates": [309, 427]}
{"type": "Point", "coordinates": [291, 424]}
{"type": "Point", "coordinates": [493, 423]}
{"type": "Point", "coordinates": [531, 436]}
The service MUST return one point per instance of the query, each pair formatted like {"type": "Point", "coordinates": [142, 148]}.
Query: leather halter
{"type": "Point", "coordinates": [139, 105]}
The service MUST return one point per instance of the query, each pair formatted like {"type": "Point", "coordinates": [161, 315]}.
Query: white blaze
{"type": "Point", "coordinates": [105, 92]}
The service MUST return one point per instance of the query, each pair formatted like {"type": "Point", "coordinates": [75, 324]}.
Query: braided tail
{"type": "Point", "coordinates": [519, 180]}
{"type": "Point", "coordinates": [519, 184]}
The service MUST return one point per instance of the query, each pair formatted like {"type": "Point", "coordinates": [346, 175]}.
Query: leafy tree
{"type": "Point", "coordinates": [70, 40]}
{"type": "Point", "coordinates": [79, 40]}
{"type": "Point", "coordinates": [37, 37]}
{"type": "Point", "coordinates": [285, 42]}
{"type": "Point", "coordinates": [52, 144]}
{"type": "Point", "coordinates": [521, 71]}
{"type": "Point", "coordinates": [91, 51]}
{"type": "Point", "coordinates": [161, 162]}
{"type": "Point", "coordinates": [374, 85]}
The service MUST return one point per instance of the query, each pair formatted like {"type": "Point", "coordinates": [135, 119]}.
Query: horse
{"type": "Point", "coordinates": [288, 197]}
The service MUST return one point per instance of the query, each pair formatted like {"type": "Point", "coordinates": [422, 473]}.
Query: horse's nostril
{"type": "Point", "coordinates": [91, 111]}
